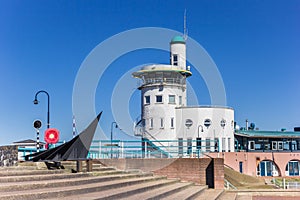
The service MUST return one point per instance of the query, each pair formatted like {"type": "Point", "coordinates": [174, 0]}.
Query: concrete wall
{"type": "Point", "coordinates": [8, 156]}
{"type": "Point", "coordinates": [204, 171]}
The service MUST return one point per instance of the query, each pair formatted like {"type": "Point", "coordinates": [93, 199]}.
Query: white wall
{"type": "Point", "coordinates": [165, 110]}
{"type": "Point", "coordinates": [180, 50]}
{"type": "Point", "coordinates": [198, 115]}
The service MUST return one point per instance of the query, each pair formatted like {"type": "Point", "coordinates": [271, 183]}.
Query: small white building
{"type": "Point", "coordinates": [26, 147]}
{"type": "Point", "coordinates": [206, 128]}
{"type": "Point", "coordinates": [166, 116]}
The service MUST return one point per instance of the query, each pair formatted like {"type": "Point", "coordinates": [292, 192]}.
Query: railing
{"type": "Point", "coordinates": [148, 149]}
{"type": "Point", "coordinates": [293, 185]}
{"type": "Point", "coordinates": [286, 184]}
{"type": "Point", "coordinates": [179, 81]}
{"type": "Point", "coordinates": [228, 185]}
{"type": "Point", "coordinates": [106, 149]}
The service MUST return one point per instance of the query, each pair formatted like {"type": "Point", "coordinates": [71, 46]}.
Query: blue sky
{"type": "Point", "coordinates": [255, 44]}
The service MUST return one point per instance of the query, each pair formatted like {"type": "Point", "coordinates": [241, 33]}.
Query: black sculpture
{"type": "Point", "coordinates": [74, 150]}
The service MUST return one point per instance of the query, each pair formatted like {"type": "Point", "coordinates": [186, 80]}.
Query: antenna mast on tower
{"type": "Point", "coordinates": [185, 31]}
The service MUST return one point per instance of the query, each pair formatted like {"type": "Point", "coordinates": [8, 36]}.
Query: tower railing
{"type": "Point", "coordinates": [148, 81]}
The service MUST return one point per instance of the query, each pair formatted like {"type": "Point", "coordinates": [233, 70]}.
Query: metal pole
{"type": "Point", "coordinates": [197, 146]}
{"type": "Point", "coordinates": [48, 110]}
{"type": "Point", "coordinates": [111, 138]}
{"type": "Point", "coordinates": [37, 140]}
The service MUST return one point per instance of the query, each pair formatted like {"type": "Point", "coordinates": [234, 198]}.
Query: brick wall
{"type": "Point", "coordinates": [188, 169]}
{"type": "Point", "coordinates": [218, 173]}
{"type": "Point", "coordinates": [203, 171]}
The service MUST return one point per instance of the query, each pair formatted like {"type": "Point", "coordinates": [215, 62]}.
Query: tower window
{"type": "Point", "coordinates": [175, 59]}
{"type": "Point", "coordinates": [207, 122]}
{"type": "Point", "coordinates": [147, 99]}
{"type": "Point", "coordinates": [161, 122]}
{"type": "Point", "coordinates": [223, 123]}
{"type": "Point", "coordinates": [180, 100]}
{"type": "Point", "coordinates": [171, 98]}
{"type": "Point", "coordinates": [151, 123]}
{"type": "Point", "coordinates": [159, 99]}
{"type": "Point", "coordinates": [172, 122]}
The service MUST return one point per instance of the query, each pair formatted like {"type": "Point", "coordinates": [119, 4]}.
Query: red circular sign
{"type": "Point", "coordinates": [51, 135]}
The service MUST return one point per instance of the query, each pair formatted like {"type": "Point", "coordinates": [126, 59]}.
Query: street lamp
{"type": "Point", "coordinates": [35, 101]}
{"type": "Point", "coordinates": [201, 129]}
{"type": "Point", "coordinates": [198, 140]}
{"type": "Point", "coordinates": [111, 137]}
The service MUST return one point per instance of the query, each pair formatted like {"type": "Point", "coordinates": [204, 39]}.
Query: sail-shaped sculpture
{"type": "Point", "coordinates": [75, 149]}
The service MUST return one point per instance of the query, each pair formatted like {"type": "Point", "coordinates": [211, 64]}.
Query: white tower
{"type": "Point", "coordinates": [163, 89]}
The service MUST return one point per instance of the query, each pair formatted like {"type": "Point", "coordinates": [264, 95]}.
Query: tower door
{"type": "Point", "coordinates": [262, 168]}
{"type": "Point", "coordinates": [269, 168]}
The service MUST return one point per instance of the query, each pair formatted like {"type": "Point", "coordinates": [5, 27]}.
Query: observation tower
{"type": "Point", "coordinates": [163, 88]}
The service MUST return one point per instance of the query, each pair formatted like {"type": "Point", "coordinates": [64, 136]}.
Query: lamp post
{"type": "Point", "coordinates": [36, 102]}
{"type": "Point", "coordinates": [201, 129]}
{"type": "Point", "coordinates": [198, 140]}
{"type": "Point", "coordinates": [111, 137]}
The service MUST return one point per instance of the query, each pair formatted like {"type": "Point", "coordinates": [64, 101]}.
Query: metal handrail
{"type": "Point", "coordinates": [136, 148]}
{"type": "Point", "coordinates": [228, 185]}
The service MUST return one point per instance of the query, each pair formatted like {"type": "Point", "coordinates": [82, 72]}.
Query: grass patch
{"type": "Point", "coordinates": [242, 181]}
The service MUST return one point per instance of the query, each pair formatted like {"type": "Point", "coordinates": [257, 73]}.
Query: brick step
{"type": "Point", "coordinates": [31, 185]}
{"type": "Point", "coordinates": [160, 192]}
{"type": "Point", "coordinates": [28, 172]}
{"type": "Point", "coordinates": [41, 177]}
{"type": "Point", "coordinates": [228, 196]}
{"type": "Point", "coordinates": [16, 168]}
{"type": "Point", "coordinates": [244, 197]}
{"type": "Point", "coordinates": [210, 194]}
{"type": "Point", "coordinates": [73, 164]}
{"type": "Point", "coordinates": [125, 192]}
{"type": "Point", "coordinates": [189, 193]}
{"type": "Point", "coordinates": [94, 167]}
{"type": "Point", "coordinates": [100, 168]}
{"type": "Point", "coordinates": [28, 163]}
{"type": "Point", "coordinates": [58, 192]}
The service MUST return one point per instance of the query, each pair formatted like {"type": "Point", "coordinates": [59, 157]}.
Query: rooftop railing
{"type": "Point", "coordinates": [148, 81]}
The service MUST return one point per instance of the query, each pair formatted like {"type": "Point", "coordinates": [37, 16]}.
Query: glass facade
{"type": "Point", "coordinates": [267, 144]}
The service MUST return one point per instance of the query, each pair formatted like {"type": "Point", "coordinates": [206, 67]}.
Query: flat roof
{"type": "Point", "coordinates": [141, 72]}
{"type": "Point", "coordinates": [205, 106]}
{"type": "Point", "coordinates": [267, 134]}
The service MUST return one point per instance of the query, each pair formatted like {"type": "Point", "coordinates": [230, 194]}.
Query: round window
{"type": "Point", "coordinates": [188, 123]}
{"type": "Point", "coordinates": [223, 123]}
{"type": "Point", "coordinates": [207, 122]}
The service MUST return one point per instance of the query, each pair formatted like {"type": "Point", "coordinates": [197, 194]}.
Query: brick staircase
{"type": "Point", "coordinates": [28, 182]}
